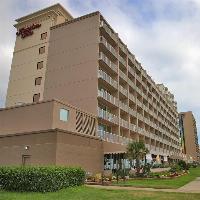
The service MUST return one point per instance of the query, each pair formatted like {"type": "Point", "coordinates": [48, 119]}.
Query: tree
{"type": "Point", "coordinates": [136, 151]}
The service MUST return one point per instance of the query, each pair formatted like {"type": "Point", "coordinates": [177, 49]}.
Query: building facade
{"type": "Point", "coordinates": [189, 138]}
{"type": "Point", "coordinates": [82, 61]}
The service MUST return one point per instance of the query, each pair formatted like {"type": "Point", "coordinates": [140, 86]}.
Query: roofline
{"type": "Point", "coordinates": [75, 20]}
{"type": "Point", "coordinates": [48, 101]}
{"type": "Point", "coordinates": [57, 4]}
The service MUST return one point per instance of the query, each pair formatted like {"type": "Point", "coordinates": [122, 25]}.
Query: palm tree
{"type": "Point", "coordinates": [137, 151]}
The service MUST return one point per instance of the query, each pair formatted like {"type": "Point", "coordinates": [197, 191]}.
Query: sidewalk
{"type": "Point", "coordinates": [192, 187]}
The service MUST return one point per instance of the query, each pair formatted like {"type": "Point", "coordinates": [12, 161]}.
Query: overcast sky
{"type": "Point", "coordinates": [163, 34]}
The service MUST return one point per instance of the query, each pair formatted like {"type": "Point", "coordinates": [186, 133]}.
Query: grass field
{"type": "Point", "coordinates": [85, 193]}
{"type": "Point", "coordinates": [164, 183]}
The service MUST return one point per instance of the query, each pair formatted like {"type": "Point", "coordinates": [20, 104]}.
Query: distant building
{"type": "Point", "coordinates": [188, 135]}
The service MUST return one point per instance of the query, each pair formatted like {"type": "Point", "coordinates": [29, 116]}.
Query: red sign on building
{"type": "Point", "coordinates": [24, 32]}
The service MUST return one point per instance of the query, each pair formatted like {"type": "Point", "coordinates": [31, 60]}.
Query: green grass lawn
{"type": "Point", "coordinates": [164, 183]}
{"type": "Point", "coordinates": [86, 193]}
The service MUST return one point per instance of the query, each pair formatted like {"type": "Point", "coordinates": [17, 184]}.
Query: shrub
{"type": "Point", "coordinates": [183, 165]}
{"type": "Point", "coordinates": [40, 179]}
{"type": "Point", "coordinates": [175, 168]}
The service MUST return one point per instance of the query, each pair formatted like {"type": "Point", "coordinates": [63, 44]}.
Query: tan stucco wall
{"type": "Point", "coordinates": [71, 74]}
{"type": "Point", "coordinates": [77, 150]}
{"type": "Point", "coordinates": [38, 116]}
{"type": "Point", "coordinates": [42, 148]}
{"type": "Point", "coordinates": [27, 118]}
{"type": "Point", "coordinates": [53, 147]}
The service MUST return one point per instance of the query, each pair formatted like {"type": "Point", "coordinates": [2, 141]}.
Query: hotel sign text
{"type": "Point", "coordinates": [24, 32]}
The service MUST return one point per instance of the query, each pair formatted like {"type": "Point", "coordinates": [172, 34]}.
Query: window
{"type": "Point", "coordinates": [38, 81]}
{"type": "Point", "coordinates": [64, 114]}
{"type": "Point", "coordinates": [36, 97]}
{"type": "Point", "coordinates": [40, 65]}
{"type": "Point", "coordinates": [43, 36]}
{"type": "Point", "coordinates": [42, 50]}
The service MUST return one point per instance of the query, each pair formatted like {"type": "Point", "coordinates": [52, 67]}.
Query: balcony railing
{"type": "Point", "coordinates": [123, 91]}
{"type": "Point", "coordinates": [107, 78]}
{"type": "Point", "coordinates": [108, 46]}
{"type": "Point", "coordinates": [133, 127]}
{"type": "Point", "coordinates": [123, 123]}
{"type": "Point", "coordinates": [132, 112]}
{"type": "Point", "coordinates": [139, 104]}
{"type": "Point", "coordinates": [108, 30]}
{"type": "Point", "coordinates": [147, 146]}
{"type": "Point", "coordinates": [132, 84]}
{"type": "Point", "coordinates": [122, 75]}
{"type": "Point", "coordinates": [110, 137]}
{"type": "Point", "coordinates": [131, 70]}
{"type": "Point", "coordinates": [106, 60]}
{"type": "Point", "coordinates": [122, 60]}
{"type": "Point", "coordinates": [122, 47]}
{"type": "Point", "coordinates": [107, 116]}
{"type": "Point", "coordinates": [123, 106]}
{"type": "Point", "coordinates": [140, 117]}
{"type": "Point", "coordinates": [108, 97]}
{"type": "Point", "coordinates": [132, 98]}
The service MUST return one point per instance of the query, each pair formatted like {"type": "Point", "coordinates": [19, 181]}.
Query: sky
{"type": "Point", "coordinates": [164, 35]}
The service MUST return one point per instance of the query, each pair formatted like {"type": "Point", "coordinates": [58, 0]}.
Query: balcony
{"type": "Point", "coordinates": [131, 70]}
{"type": "Point", "coordinates": [121, 60]}
{"type": "Point", "coordinates": [108, 97]}
{"type": "Point", "coordinates": [108, 46]}
{"type": "Point", "coordinates": [142, 131]}
{"type": "Point", "coordinates": [123, 106]}
{"type": "Point", "coordinates": [132, 112]}
{"type": "Point", "coordinates": [147, 146]}
{"type": "Point", "coordinates": [138, 78]}
{"type": "Point", "coordinates": [108, 31]}
{"type": "Point", "coordinates": [132, 84]}
{"type": "Point", "coordinates": [108, 62]}
{"type": "Point", "coordinates": [158, 138]}
{"type": "Point", "coordinates": [139, 104]}
{"type": "Point", "coordinates": [123, 123]}
{"type": "Point", "coordinates": [140, 117]}
{"type": "Point", "coordinates": [110, 137]}
{"type": "Point", "coordinates": [107, 116]}
{"type": "Point", "coordinates": [107, 78]}
{"type": "Point", "coordinates": [133, 127]}
{"type": "Point", "coordinates": [122, 47]}
{"type": "Point", "coordinates": [122, 75]}
{"type": "Point", "coordinates": [123, 91]}
{"type": "Point", "coordinates": [132, 98]}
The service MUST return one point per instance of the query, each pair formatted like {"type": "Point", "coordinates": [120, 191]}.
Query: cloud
{"type": "Point", "coordinates": [164, 36]}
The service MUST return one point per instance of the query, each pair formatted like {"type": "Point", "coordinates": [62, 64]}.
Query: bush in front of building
{"type": "Point", "coordinates": [183, 165]}
{"type": "Point", "coordinates": [40, 179]}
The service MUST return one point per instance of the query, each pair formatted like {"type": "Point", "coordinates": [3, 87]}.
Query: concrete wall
{"type": "Point", "coordinates": [72, 64]}
{"type": "Point", "coordinates": [80, 150]}
{"type": "Point", "coordinates": [33, 117]}
{"type": "Point", "coordinates": [53, 147]}
{"type": "Point", "coordinates": [42, 148]}
{"type": "Point", "coordinates": [41, 116]}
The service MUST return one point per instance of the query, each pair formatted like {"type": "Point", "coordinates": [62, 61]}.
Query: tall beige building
{"type": "Point", "coordinates": [189, 136]}
{"type": "Point", "coordinates": [84, 62]}
{"type": "Point", "coordinates": [27, 75]}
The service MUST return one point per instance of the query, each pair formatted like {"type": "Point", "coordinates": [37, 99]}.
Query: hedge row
{"type": "Point", "coordinates": [40, 179]}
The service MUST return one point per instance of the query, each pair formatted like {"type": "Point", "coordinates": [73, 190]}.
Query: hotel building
{"type": "Point", "coordinates": [189, 138]}
{"type": "Point", "coordinates": [83, 62]}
